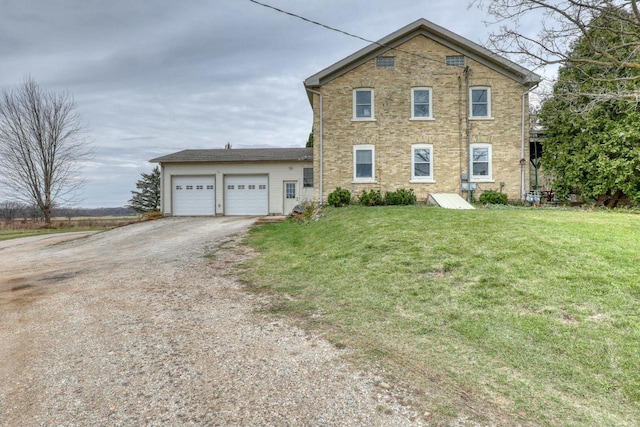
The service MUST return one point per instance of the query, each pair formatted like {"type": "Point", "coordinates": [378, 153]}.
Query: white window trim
{"type": "Point", "coordinates": [481, 178]}
{"type": "Point", "coordinates": [430, 116]}
{"type": "Point", "coordinates": [421, 179]}
{"type": "Point", "coordinates": [373, 111]}
{"type": "Point", "coordinates": [489, 115]}
{"type": "Point", "coordinates": [372, 179]}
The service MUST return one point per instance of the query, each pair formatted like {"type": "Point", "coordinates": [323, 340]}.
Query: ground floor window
{"type": "Point", "coordinates": [363, 163]}
{"type": "Point", "coordinates": [307, 177]}
{"type": "Point", "coordinates": [422, 162]}
{"type": "Point", "coordinates": [481, 162]}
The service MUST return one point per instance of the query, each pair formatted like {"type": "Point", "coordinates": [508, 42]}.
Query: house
{"type": "Point", "coordinates": [235, 181]}
{"type": "Point", "coordinates": [422, 108]}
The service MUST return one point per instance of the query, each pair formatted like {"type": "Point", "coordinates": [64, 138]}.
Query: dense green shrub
{"type": "Point", "coordinates": [371, 198]}
{"type": "Point", "coordinates": [493, 197]}
{"type": "Point", "coordinates": [339, 197]}
{"type": "Point", "coordinates": [400, 197]}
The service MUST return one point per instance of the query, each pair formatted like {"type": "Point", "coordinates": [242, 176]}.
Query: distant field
{"type": "Point", "coordinates": [23, 227]}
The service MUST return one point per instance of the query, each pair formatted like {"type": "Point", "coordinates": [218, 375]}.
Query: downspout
{"type": "Point", "coordinates": [162, 189]}
{"type": "Point", "coordinates": [460, 167]}
{"type": "Point", "coordinates": [523, 160]}
{"type": "Point", "coordinates": [320, 141]}
{"type": "Point", "coordinates": [468, 131]}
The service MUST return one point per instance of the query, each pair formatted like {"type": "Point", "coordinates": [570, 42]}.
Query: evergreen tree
{"type": "Point", "coordinates": [147, 199]}
{"type": "Point", "coordinates": [595, 151]}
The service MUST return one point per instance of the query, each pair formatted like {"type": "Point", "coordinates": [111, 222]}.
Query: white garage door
{"type": "Point", "coordinates": [193, 195]}
{"type": "Point", "coordinates": [246, 195]}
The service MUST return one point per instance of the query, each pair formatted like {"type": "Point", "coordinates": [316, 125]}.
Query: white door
{"type": "Point", "coordinates": [290, 196]}
{"type": "Point", "coordinates": [193, 195]}
{"type": "Point", "coordinates": [246, 195]}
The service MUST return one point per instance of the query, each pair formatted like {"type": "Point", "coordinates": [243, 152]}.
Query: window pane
{"type": "Point", "coordinates": [364, 171]}
{"type": "Point", "coordinates": [479, 110]}
{"type": "Point", "coordinates": [307, 177]}
{"type": "Point", "coordinates": [422, 169]}
{"type": "Point", "coordinates": [480, 102]}
{"type": "Point", "coordinates": [480, 158]}
{"type": "Point", "coordinates": [481, 169]}
{"type": "Point", "coordinates": [363, 97]}
{"type": "Point", "coordinates": [363, 103]}
{"type": "Point", "coordinates": [421, 110]}
{"type": "Point", "coordinates": [290, 190]}
{"type": "Point", "coordinates": [422, 155]}
{"type": "Point", "coordinates": [364, 156]}
{"type": "Point", "coordinates": [363, 111]}
{"type": "Point", "coordinates": [421, 96]}
{"type": "Point", "coordinates": [480, 154]}
{"type": "Point", "coordinates": [479, 95]}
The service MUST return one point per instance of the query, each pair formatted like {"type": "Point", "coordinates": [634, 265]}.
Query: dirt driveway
{"type": "Point", "coordinates": [136, 326]}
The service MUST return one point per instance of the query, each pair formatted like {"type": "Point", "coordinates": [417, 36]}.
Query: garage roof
{"type": "Point", "coordinates": [237, 155]}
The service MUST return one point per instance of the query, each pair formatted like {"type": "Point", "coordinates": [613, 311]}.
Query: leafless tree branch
{"type": "Point", "coordinates": [42, 144]}
{"type": "Point", "coordinates": [595, 23]}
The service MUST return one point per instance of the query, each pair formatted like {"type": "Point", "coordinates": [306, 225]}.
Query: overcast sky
{"type": "Point", "coordinates": [152, 77]}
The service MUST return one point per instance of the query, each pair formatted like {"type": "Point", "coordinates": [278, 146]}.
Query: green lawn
{"type": "Point", "coordinates": [14, 234]}
{"type": "Point", "coordinates": [516, 316]}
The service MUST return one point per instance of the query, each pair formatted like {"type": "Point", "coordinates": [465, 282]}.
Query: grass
{"type": "Point", "coordinates": [518, 316]}
{"type": "Point", "coordinates": [25, 228]}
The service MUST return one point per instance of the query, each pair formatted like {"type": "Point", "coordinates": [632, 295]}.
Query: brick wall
{"type": "Point", "coordinates": [393, 133]}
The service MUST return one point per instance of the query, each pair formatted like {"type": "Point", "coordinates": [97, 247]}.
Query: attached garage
{"type": "Point", "coordinates": [243, 181]}
{"type": "Point", "coordinates": [194, 195]}
{"type": "Point", "coordinates": [246, 195]}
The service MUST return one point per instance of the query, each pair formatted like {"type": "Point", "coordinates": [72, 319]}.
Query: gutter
{"type": "Point", "coordinates": [320, 139]}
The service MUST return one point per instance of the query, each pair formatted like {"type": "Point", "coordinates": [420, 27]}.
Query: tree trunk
{"type": "Point", "coordinates": [615, 199]}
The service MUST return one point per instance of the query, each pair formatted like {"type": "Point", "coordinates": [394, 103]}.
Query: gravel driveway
{"type": "Point", "coordinates": [135, 326]}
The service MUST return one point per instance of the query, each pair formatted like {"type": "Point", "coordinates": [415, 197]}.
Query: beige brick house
{"type": "Point", "coordinates": [424, 109]}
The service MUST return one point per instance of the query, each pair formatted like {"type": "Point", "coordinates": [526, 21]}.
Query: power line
{"type": "Point", "coordinates": [343, 32]}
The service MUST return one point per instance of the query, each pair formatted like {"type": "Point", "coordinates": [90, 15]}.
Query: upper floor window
{"type": "Point", "coordinates": [481, 162]}
{"type": "Point", "coordinates": [454, 60]}
{"type": "Point", "coordinates": [307, 177]}
{"type": "Point", "coordinates": [422, 162]}
{"type": "Point", "coordinates": [363, 104]}
{"type": "Point", "coordinates": [481, 102]}
{"type": "Point", "coordinates": [363, 163]}
{"type": "Point", "coordinates": [421, 103]}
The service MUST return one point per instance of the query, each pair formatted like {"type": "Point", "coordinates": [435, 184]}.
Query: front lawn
{"type": "Point", "coordinates": [510, 317]}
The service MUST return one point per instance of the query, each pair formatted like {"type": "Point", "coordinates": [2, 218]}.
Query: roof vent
{"type": "Point", "coordinates": [386, 62]}
{"type": "Point", "coordinates": [454, 61]}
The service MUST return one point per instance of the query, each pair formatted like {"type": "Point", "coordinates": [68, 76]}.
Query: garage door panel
{"type": "Point", "coordinates": [246, 195]}
{"type": "Point", "coordinates": [193, 195]}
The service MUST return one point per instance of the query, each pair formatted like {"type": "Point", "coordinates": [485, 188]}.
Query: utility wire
{"type": "Point", "coordinates": [343, 32]}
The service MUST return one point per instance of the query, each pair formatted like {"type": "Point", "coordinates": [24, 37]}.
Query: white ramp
{"type": "Point", "coordinates": [449, 201]}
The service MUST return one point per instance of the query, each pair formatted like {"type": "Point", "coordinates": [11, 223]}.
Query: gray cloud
{"type": "Point", "coordinates": [153, 77]}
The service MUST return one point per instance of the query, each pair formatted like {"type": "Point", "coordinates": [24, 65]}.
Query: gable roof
{"type": "Point", "coordinates": [434, 32]}
{"type": "Point", "coordinates": [237, 155]}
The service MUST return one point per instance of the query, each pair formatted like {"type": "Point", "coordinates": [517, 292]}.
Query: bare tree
{"type": "Point", "coordinates": [610, 30]}
{"type": "Point", "coordinates": [42, 144]}
{"type": "Point", "coordinates": [9, 209]}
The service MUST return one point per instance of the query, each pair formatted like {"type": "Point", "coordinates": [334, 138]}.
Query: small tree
{"type": "Point", "coordinates": [147, 199]}
{"type": "Point", "coordinates": [42, 145]}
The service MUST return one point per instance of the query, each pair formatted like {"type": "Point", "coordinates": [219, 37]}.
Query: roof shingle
{"type": "Point", "coordinates": [237, 155]}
